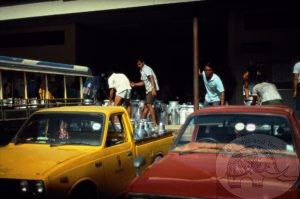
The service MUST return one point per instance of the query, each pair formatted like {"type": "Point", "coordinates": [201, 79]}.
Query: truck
{"type": "Point", "coordinates": [76, 152]}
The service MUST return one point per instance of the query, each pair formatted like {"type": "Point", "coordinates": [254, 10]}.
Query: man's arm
{"type": "Point", "coordinates": [255, 94]}
{"type": "Point", "coordinates": [199, 72]}
{"type": "Point", "coordinates": [151, 78]}
{"type": "Point", "coordinates": [295, 84]}
{"type": "Point", "coordinates": [222, 98]}
{"type": "Point", "coordinates": [246, 83]}
{"type": "Point", "coordinates": [111, 96]}
{"type": "Point", "coordinates": [134, 84]}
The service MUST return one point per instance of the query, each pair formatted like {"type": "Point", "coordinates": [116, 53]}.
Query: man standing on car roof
{"type": "Point", "coordinates": [149, 80]}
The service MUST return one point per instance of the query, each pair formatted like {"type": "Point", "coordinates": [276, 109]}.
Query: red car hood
{"type": "Point", "coordinates": [205, 175]}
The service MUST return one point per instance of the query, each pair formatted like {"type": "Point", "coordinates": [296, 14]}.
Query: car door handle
{"type": "Point", "coordinates": [98, 163]}
{"type": "Point", "coordinates": [129, 153]}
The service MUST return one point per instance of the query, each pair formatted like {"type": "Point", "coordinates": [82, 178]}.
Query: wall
{"type": "Point", "coordinates": [270, 38]}
{"type": "Point", "coordinates": [49, 43]}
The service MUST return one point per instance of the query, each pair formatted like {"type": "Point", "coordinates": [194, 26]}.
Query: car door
{"type": "Point", "coordinates": [118, 156]}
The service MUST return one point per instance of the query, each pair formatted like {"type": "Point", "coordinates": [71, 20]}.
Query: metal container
{"type": "Point", "coordinates": [161, 128]}
{"type": "Point", "coordinates": [161, 112]}
{"type": "Point", "coordinates": [183, 113]}
{"type": "Point", "coordinates": [139, 112]}
{"type": "Point", "coordinates": [151, 129]}
{"type": "Point", "coordinates": [22, 103]}
{"type": "Point", "coordinates": [146, 127]}
{"type": "Point", "coordinates": [105, 102]}
{"type": "Point", "coordinates": [173, 112]}
{"type": "Point", "coordinates": [87, 101]}
{"type": "Point", "coordinates": [9, 102]}
{"type": "Point", "coordinates": [33, 101]}
{"type": "Point", "coordinates": [134, 108]}
{"type": "Point", "coordinates": [140, 132]}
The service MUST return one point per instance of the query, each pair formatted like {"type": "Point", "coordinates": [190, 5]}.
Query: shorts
{"type": "Point", "coordinates": [125, 94]}
{"type": "Point", "coordinates": [149, 99]}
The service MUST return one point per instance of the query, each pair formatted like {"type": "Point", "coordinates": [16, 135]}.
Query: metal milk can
{"type": "Point", "coordinates": [173, 112]}
{"type": "Point", "coordinates": [140, 130]}
{"type": "Point", "coordinates": [134, 108]}
{"type": "Point", "coordinates": [183, 113]}
{"type": "Point", "coordinates": [161, 112]}
{"type": "Point", "coordinates": [161, 128]}
{"type": "Point", "coordinates": [190, 109]}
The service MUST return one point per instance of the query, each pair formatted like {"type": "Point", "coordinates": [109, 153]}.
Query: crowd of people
{"type": "Point", "coordinates": [257, 89]}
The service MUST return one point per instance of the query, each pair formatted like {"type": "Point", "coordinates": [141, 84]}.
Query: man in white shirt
{"type": "Point", "coordinates": [149, 80]}
{"type": "Point", "coordinates": [266, 92]}
{"type": "Point", "coordinates": [119, 90]}
{"type": "Point", "coordinates": [296, 85]}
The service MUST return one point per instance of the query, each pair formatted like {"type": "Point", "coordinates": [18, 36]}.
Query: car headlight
{"type": "Point", "coordinates": [24, 186]}
{"type": "Point", "coordinates": [39, 187]}
{"type": "Point", "coordinates": [32, 187]}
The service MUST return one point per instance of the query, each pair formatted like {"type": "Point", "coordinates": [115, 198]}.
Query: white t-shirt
{"type": "Point", "coordinates": [297, 70]}
{"type": "Point", "coordinates": [118, 81]}
{"type": "Point", "coordinates": [266, 91]}
{"type": "Point", "coordinates": [214, 87]}
{"type": "Point", "coordinates": [145, 72]}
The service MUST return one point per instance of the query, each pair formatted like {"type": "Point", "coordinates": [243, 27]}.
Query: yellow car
{"type": "Point", "coordinates": [75, 152]}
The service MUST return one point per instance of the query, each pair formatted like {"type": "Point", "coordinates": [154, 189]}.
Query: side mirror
{"type": "Point", "coordinates": [138, 162]}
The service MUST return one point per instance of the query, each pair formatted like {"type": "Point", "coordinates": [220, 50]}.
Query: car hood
{"type": "Point", "coordinates": [204, 175]}
{"type": "Point", "coordinates": [29, 161]}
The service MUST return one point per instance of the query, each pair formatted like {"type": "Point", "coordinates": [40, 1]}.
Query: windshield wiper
{"type": "Point", "coordinates": [187, 152]}
{"type": "Point", "coordinates": [68, 143]}
{"type": "Point", "coordinates": [23, 140]}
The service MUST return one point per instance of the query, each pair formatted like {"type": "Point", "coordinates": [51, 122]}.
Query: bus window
{"type": "Point", "coordinates": [73, 87]}
{"type": "Point", "coordinates": [34, 81]}
{"type": "Point", "coordinates": [13, 84]}
{"type": "Point", "coordinates": [56, 86]}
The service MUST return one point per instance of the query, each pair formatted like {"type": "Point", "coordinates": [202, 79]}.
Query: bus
{"type": "Point", "coordinates": [27, 85]}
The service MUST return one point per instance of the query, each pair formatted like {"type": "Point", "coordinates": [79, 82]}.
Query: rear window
{"type": "Point", "coordinates": [249, 130]}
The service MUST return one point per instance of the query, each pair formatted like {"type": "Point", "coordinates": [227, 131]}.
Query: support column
{"type": "Point", "coordinates": [195, 63]}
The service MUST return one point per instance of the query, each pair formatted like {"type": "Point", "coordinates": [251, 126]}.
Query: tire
{"type": "Point", "coordinates": [84, 191]}
{"type": "Point", "coordinates": [157, 158]}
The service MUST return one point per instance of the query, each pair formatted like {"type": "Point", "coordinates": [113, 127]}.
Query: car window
{"type": "Point", "coordinates": [116, 132]}
{"type": "Point", "coordinates": [62, 128]}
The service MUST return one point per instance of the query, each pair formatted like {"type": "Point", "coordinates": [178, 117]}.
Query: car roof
{"type": "Point", "coordinates": [275, 109]}
{"type": "Point", "coordinates": [85, 109]}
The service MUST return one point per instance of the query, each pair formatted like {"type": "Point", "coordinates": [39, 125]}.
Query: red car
{"type": "Point", "coordinates": [228, 152]}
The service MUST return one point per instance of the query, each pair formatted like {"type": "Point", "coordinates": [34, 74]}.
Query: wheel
{"type": "Point", "coordinates": [157, 158]}
{"type": "Point", "coordinates": [84, 191]}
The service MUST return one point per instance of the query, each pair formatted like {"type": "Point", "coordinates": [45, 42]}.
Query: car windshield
{"type": "Point", "coordinates": [61, 129]}
{"type": "Point", "coordinates": [234, 132]}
